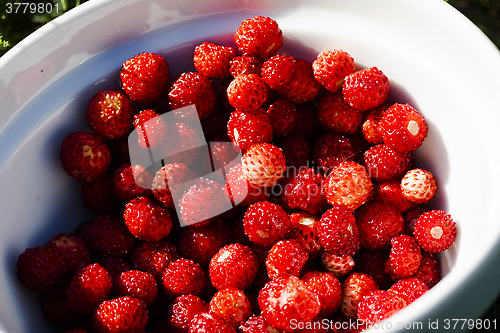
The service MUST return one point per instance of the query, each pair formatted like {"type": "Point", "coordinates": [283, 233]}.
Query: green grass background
{"type": "Point", "coordinates": [13, 28]}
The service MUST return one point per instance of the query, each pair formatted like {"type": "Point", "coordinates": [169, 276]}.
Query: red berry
{"type": "Point", "coordinates": [244, 64]}
{"type": "Point", "coordinates": [234, 265]}
{"type": "Point", "coordinates": [242, 192]}
{"type": "Point", "coordinates": [153, 257]}
{"type": "Point", "coordinates": [348, 185]}
{"type": "Point", "coordinates": [303, 88]}
{"type": "Point", "coordinates": [306, 192]}
{"type": "Point", "coordinates": [131, 182]}
{"type": "Point", "coordinates": [167, 176]}
{"type": "Point", "coordinates": [284, 301]}
{"type": "Point", "coordinates": [114, 265]}
{"type": "Point", "coordinates": [278, 71]}
{"type": "Point", "coordinates": [144, 77]}
{"type": "Point", "coordinates": [223, 152]}
{"type": "Point", "coordinates": [297, 149]}
{"type": "Point", "coordinates": [378, 305]}
{"type": "Point", "coordinates": [404, 258]}
{"type": "Point", "coordinates": [338, 265]}
{"type": "Point", "coordinates": [371, 129]}
{"type": "Point", "coordinates": [40, 268]}
{"type": "Point", "coordinates": [192, 88]}
{"type": "Point", "coordinates": [384, 163]}
{"type": "Point", "coordinates": [248, 128]}
{"type": "Point", "coordinates": [390, 191]}
{"type": "Point", "coordinates": [151, 129]}
{"type": "Point", "coordinates": [409, 289]}
{"type": "Point", "coordinates": [256, 324]}
{"type": "Point", "coordinates": [186, 144]}
{"type": "Point", "coordinates": [403, 128]}
{"type": "Point", "coordinates": [435, 231]}
{"type": "Point", "coordinates": [304, 227]}
{"type": "Point", "coordinates": [331, 149]}
{"type": "Point", "coordinates": [286, 257]}
{"type": "Point", "coordinates": [335, 115]}
{"type": "Point", "coordinates": [378, 222]}
{"type": "Point", "coordinates": [354, 288]}
{"type": "Point", "coordinates": [99, 196]}
{"type": "Point", "coordinates": [328, 288]}
{"type": "Point", "coordinates": [73, 249]}
{"type": "Point", "coordinates": [89, 287]}
{"type": "Point", "coordinates": [263, 164]}
{"type": "Point", "coordinates": [230, 305]}
{"type": "Point", "coordinates": [85, 156]}
{"type": "Point", "coordinates": [182, 277]}
{"type": "Point", "coordinates": [265, 223]}
{"type": "Point", "coordinates": [182, 310]}
{"type": "Point", "coordinates": [283, 116]}
{"type": "Point", "coordinates": [213, 60]}
{"type": "Point", "coordinates": [146, 219]}
{"type": "Point", "coordinates": [259, 37]}
{"type": "Point", "coordinates": [372, 262]}
{"type": "Point", "coordinates": [121, 315]}
{"type": "Point", "coordinates": [106, 235]}
{"type": "Point", "coordinates": [366, 89]}
{"type": "Point", "coordinates": [110, 114]}
{"type": "Point", "coordinates": [411, 216]}
{"type": "Point", "coordinates": [418, 186]}
{"type": "Point", "coordinates": [429, 270]}
{"type": "Point", "coordinates": [338, 231]}
{"type": "Point", "coordinates": [138, 284]}
{"type": "Point", "coordinates": [209, 323]}
{"type": "Point", "coordinates": [331, 67]}
{"type": "Point", "coordinates": [247, 92]}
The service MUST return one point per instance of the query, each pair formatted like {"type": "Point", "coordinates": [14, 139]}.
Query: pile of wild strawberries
{"type": "Point", "coordinates": [330, 227]}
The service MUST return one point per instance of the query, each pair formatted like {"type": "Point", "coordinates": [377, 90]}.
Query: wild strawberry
{"type": "Point", "coordinates": [366, 89]}
{"type": "Point", "coordinates": [204, 200]}
{"type": "Point", "coordinates": [278, 71]}
{"type": "Point", "coordinates": [209, 323]}
{"type": "Point", "coordinates": [403, 128]}
{"type": "Point", "coordinates": [331, 66]}
{"type": "Point", "coordinates": [378, 305]}
{"type": "Point", "coordinates": [131, 182]}
{"type": "Point", "coordinates": [138, 284]}
{"type": "Point", "coordinates": [303, 88]}
{"type": "Point", "coordinates": [169, 175]}
{"type": "Point", "coordinates": [378, 222]}
{"type": "Point", "coordinates": [335, 115]}
{"type": "Point", "coordinates": [338, 232]}
{"type": "Point", "coordinates": [248, 128]}
{"type": "Point", "coordinates": [259, 37]}
{"type": "Point", "coordinates": [283, 116]}
{"type": "Point", "coordinates": [151, 129]}
{"type": "Point", "coordinates": [242, 192]}
{"type": "Point", "coordinates": [144, 77]}
{"type": "Point", "coordinates": [297, 149]}
{"type": "Point", "coordinates": [390, 191]}
{"type": "Point", "coordinates": [435, 231]}
{"type": "Point", "coordinates": [338, 265]}
{"type": "Point", "coordinates": [182, 277]}
{"type": "Point", "coordinates": [372, 262]}
{"type": "Point", "coordinates": [404, 258]}
{"type": "Point", "coordinates": [287, 300]}
{"type": "Point", "coordinates": [231, 305]}
{"type": "Point", "coordinates": [222, 151]}
{"type": "Point", "coordinates": [263, 164]}
{"type": "Point", "coordinates": [257, 324]}
{"type": "Point", "coordinates": [354, 288]}
{"type": "Point", "coordinates": [114, 265]}
{"type": "Point", "coordinates": [185, 145]}
{"type": "Point", "coordinates": [40, 268]}
{"type": "Point", "coordinates": [286, 257]}
{"type": "Point", "coordinates": [123, 314]}
{"type": "Point", "coordinates": [99, 196]}
{"type": "Point", "coordinates": [89, 287]}
{"type": "Point", "coordinates": [328, 288]}
{"type": "Point", "coordinates": [384, 163]}
{"type": "Point", "coordinates": [429, 270]}
{"type": "Point", "coordinates": [418, 185]}
{"type": "Point", "coordinates": [201, 243]}
{"type": "Point", "coordinates": [265, 223]}
{"type": "Point", "coordinates": [306, 192]}
{"type": "Point", "coordinates": [244, 64]}
{"type": "Point", "coordinates": [304, 227]}
{"type": "Point", "coordinates": [180, 312]}
{"type": "Point", "coordinates": [110, 114]}
{"type": "Point", "coordinates": [371, 129]}
{"type": "Point", "coordinates": [153, 257]}
{"type": "Point", "coordinates": [234, 265]}
{"type": "Point", "coordinates": [213, 60]}
{"type": "Point", "coordinates": [348, 185]}
{"type": "Point", "coordinates": [192, 88]}
{"type": "Point", "coordinates": [247, 92]}
{"type": "Point", "coordinates": [106, 235]}
{"type": "Point", "coordinates": [411, 216]}
{"type": "Point", "coordinates": [331, 149]}
{"type": "Point", "coordinates": [73, 249]}
{"type": "Point", "coordinates": [85, 156]}
{"type": "Point", "coordinates": [146, 219]}
{"type": "Point", "coordinates": [409, 289]}
{"type": "Point", "coordinates": [56, 309]}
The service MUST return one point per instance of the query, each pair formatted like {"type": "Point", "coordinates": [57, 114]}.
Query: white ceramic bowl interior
{"type": "Point", "coordinates": [435, 58]}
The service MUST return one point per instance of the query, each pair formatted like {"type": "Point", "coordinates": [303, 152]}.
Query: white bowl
{"type": "Point", "coordinates": [436, 60]}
